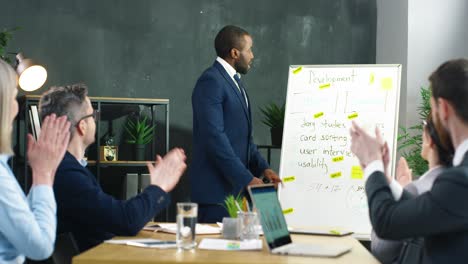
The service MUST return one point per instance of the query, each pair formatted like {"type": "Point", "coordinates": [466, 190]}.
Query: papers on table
{"type": "Point", "coordinates": [144, 242]}
{"type": "Point", "coordinates": [171, 228]}
{"type": "Point", "coordinates": [224, 244]}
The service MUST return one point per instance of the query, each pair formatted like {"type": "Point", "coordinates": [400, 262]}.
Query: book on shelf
{"type": "Point", "coordinates": [31, 124]}
{"type": "Point", "coordinates": [36, 124]}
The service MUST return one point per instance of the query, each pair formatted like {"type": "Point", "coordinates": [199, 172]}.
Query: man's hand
{"type": "Point", "coordinates": [45, 154]}
{"type": "Point", "coordinates": [272, 176]}
{"type": "Point", "coordinates": [167, 172]}
{"type": "Point", "coordinates": [255, 181]}
{"type": "Point", "coordinates": [364, 146]}
{"type": "Point", "coordinates": [386, 161]}
{"type": "Point", "coordinates": [403, 172]}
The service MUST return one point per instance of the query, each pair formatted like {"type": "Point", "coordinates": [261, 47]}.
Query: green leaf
{"type": "Point", "coordinates": [410, 138]}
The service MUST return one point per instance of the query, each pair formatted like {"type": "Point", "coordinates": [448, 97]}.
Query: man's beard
{"type": "Point", "coordinates": [240, 68]}
{"type": "Point", "coordinates": [438, 124]}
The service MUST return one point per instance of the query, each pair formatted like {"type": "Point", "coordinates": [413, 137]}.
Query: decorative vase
{"type": "Point", "coordinates": [139, 152]}
{"type": "Point", "coordinates": [276, 136]}
{"type": "Point", "coordinates": [231, 228]}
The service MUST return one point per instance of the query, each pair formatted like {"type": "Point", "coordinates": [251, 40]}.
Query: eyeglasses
{"type": "Point", "coordinates": [95, 115]}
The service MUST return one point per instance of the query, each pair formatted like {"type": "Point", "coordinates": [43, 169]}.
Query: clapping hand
{"type": "Point", "coordinates": [364, 146]}
{"type": "Point", "coordinates": [403, 172]}
{"type": "Point", "coordinates": [45, 154]}
{"type": "Point", "coordinates": [168, 170]}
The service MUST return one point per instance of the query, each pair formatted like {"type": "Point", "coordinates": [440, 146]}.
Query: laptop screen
{"type": "Point", "coordinates": [273, 222]}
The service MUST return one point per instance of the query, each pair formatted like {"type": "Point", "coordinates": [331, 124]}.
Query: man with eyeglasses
{"type": "Point", "coordinates": [83, 209]}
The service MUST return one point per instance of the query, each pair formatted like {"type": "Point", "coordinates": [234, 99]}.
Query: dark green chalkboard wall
{"type": "Point", "coordinates": [157, 49]}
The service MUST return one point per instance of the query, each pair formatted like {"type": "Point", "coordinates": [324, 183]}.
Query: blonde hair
{"type": "Point", "coordinates": [8, 83]}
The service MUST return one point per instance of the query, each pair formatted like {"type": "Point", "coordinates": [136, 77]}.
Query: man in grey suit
{"type": "Point", "coordinates": [440, 215]}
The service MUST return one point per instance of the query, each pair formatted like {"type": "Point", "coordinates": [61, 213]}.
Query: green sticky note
{"type": "Point", "coordinates": [338, 159]}
{"type": "Point", "coordinates": [335, 175]}
{"type": "Point", "coordinates": [353, 115]}
{"type": "Point", "coordinates": [317, 115]}
{"type": "Point", "coordinates": [297, 70]}
{"type": "Point", "coordinates": [289, 179]}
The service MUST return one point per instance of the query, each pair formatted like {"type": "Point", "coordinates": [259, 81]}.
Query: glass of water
{"type": "Point", "coordinates": [186, 222]}
{"type": "Point", "coordinates": [248, 225]}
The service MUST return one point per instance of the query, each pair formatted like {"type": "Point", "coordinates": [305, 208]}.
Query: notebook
{"type": "Point", "coordinates": [276, 232]}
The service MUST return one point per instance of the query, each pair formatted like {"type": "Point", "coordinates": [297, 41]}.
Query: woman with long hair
{"type": "Point", "coordinates": [28, 223]}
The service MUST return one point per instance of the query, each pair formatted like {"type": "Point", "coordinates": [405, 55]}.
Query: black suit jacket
{"type": "Point", "coordinates": [93, 216]}
{"type": "Point", "coordinates": [440, 215]}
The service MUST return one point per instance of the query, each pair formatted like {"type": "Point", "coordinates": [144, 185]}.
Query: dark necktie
{"type": "Point", "coordinates": [241, 88]}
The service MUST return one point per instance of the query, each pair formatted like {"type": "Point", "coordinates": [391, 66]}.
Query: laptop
{"type": "Point", "coordinates": [276, 232]}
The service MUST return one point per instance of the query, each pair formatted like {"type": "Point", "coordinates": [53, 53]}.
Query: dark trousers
{"type": "Point", "coordinates": [211, 213]}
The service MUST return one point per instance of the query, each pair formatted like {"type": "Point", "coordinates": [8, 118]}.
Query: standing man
{"type": "Point", "coordinates": [225, 159]}
{"type": "Point", "coordinates": [441, 214]}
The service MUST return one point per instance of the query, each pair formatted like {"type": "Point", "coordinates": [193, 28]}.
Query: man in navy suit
{"type": "Point", "coordinates": [440, 215]}
{"type": "Point", "coordinates": [225, 159]}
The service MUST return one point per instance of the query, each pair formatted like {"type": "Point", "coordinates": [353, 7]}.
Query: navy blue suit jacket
{"type": "Point", "coordinates": [93, 216]}
{"type": "Point", "coordinates": [225, 159]}
{"type": "Point", "coordinates": [440, 215]}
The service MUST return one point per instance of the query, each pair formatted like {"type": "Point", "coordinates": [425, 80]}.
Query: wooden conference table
{"type": "Point", "coordinates": [112, 253]}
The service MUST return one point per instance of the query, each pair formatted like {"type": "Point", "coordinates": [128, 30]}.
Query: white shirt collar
{"type": "Point", "coordinates": [83, 162]}
{"type": "Point", "coordinates": [229, 69]}
{"type": "Point", "coordinates": [460, 153]}
{"type": "Point", "coordinates": [4, 157]}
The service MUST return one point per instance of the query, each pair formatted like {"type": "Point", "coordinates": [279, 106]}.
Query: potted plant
{"type": "Point", "coordinates": [231, 224]}
{"type": "Point", "coordinates": [140, 133]}
{"type": "Point", "coordinates": [410, 140]}
{"type": "Point", "coordinates": [5, 36]}
{"type": "Point", "coordinates": [274, 119]}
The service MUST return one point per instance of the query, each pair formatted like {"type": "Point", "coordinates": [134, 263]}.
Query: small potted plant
{"type": "Point", "coordinates": [231, 224]}
{"type": "Point", "coordinates": [274, 119]}
{"type": "Point", "coordinates": [140, 133]}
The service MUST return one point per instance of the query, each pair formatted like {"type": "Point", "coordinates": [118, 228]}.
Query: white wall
{"type": "Point", "coordinates": [392, 41]}
{"type": "Point", "coordinates": [421, 35]}
{"type": "Point", "coordinates": [437, 32]}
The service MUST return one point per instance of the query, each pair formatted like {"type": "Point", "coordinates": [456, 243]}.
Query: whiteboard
{"type": "Point", "coordinates": [323, 182]}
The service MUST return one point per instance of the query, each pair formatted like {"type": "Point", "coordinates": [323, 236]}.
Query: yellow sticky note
{"type": "Point", "coordinates": [386, 83]}
{"type": "Point", "coordinates": [317, 115]}
{"type": "Point", "coordinates": [288, 211]}
{"type": "Point", "coordinates": [335, 175]}
{"type": "Point", "coordinates": [334, 232]}
{"type": "Point", "coordinates": [297, 70]}
{"type": "Point", "coordinates": [356, 172]}
{"type": "Point", "coordinates": [338, 159]}
{"type": "Point", "coordinates": [353, 115]}
{"type": "Point", "coordinates": [324, 86]}
{"type": "Point", "coordinates": [371, 78]}
{"type": "Point", "coordinates": [289, 179]}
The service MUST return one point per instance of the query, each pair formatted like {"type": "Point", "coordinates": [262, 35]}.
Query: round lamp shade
{"type": "Point", "coordinates": [30, 75]}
